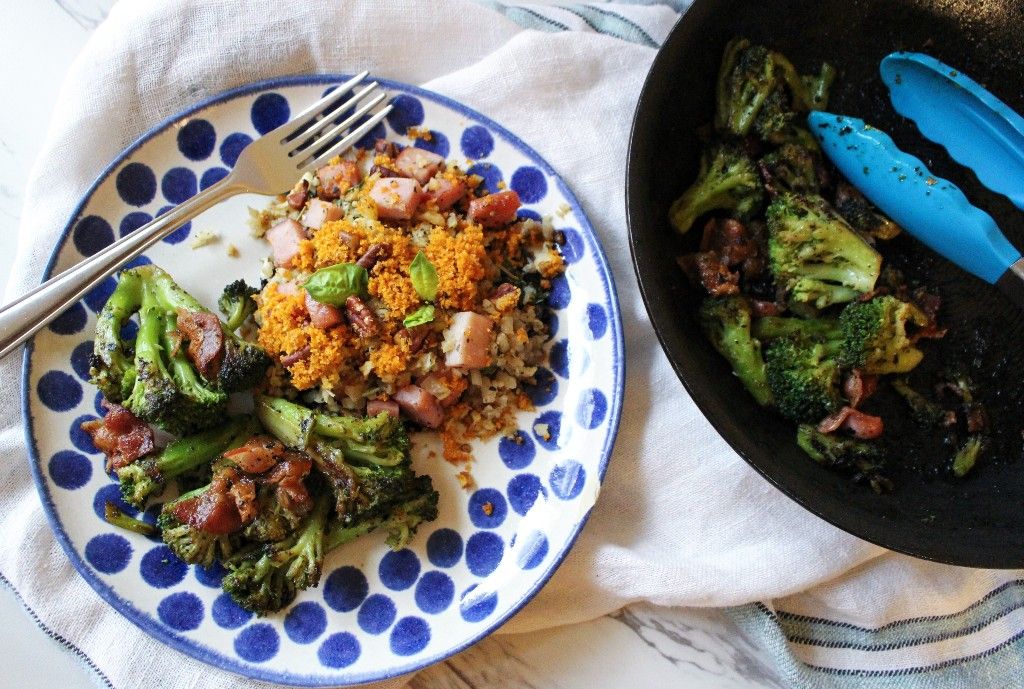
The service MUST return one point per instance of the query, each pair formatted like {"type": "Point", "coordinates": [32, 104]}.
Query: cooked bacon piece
{"type": "Point", "coordinates": [318, 212]}
{"type": "Point", "coordinates": [336, 179]}
{"type": "Point", "coordinates": [213, 511]}
{"type": "Point", "coordinates": [444, 192]}
{"type": "Point", "coordinates": [418, 163]}
{"type": "Point", "coordinates": [205, 340]}
{"type": "Point", "coordinates": [420, 406]}
{"type": "Point", "coordinates": [468, 340]}
{"type": "Point", "coordinates": [284, 238]}
{"type": "Point", "coordinates": [977, 419]}
{"type": "Point", "coordinates": [258, 454]}
{"type": "Point", "coordinates": [765, 308]}
{"type": "Point", "coordinates": [706, 270]}
{"type": "Point", "coordinates": [396, 198]}
{"type": "Point", "coordinates": [243, 491]}
{"type": "Point", "coordinates": [729, 240]}
{"type": "Point", "coordinates": [374, 407]}
{"type": "Point", "coordinates": [322, 316]}
{"type": "Point", "coordinates": [120, 435]}
{"type": "Point", "coordinates": [858, 387]}
{"type": "Point", "coordinates": [494, 210]}
{"type": "Point", "coordinates": [863, 426]}
{"type": "Point", "coordinates": [288, 476]}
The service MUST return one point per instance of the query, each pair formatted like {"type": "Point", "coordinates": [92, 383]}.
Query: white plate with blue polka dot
{"type": "Point", "coordinates": [377, 613]}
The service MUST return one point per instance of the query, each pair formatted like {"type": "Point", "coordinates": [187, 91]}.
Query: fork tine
{"type": "Point", "coordinates": [349, 140]}
{"type": "Point", "coordinates": [308, 137]}
{"type": "Point", "coordinates": [309, 144]}
{"type": "Point", "coordinates": [306, 116]}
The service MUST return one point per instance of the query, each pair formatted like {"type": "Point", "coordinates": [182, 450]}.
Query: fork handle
{"type": "Point", "coordinates": [20, 319]}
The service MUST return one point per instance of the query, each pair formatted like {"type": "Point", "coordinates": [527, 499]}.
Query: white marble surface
{"type": "Point", "coordinates": [641, 646]}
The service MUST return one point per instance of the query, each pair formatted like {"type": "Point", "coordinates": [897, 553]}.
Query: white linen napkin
{"type": "Point", "coordinates": [682, 520]}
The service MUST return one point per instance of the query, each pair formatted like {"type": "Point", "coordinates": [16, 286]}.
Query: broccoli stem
{"type": "Point", "coordinates": [115, 517]}
{"type": "Point", "coordinates": [111, 370]}
{"type": "Point", "coordinates": [290, 423]}
{"type": "Point", "coordinates": [967, 456]}
{"type": "Point", "coordinates": [193, 451]}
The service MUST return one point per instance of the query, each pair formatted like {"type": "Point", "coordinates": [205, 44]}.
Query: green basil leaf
{"type": "Point", "coordinates": [424, 277]}
{"type": "Point", "coordinates": [334, 284]}
{"type": "Point", "coordinates": [423, 314]}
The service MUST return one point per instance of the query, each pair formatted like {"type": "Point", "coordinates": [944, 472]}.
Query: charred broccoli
{"type": "Point", "coordinates": [804, 378]}
{"type": "Point", "coordinates": [792, 168]}
{"type": "Point", "coordinates": [863, 458]}
{"type": "Point", "coordinates": [237, 304]}
{"type": "Point", "coordinates": [728, 180]}
{"type": "Point", "coordinates": [189, 542]}
{"type": "Point", "coordinates": [726, 322]}
{"type": "Point", "coordinates": [875, 337]}
{"type": "Point", "coordinates": [817, 259]}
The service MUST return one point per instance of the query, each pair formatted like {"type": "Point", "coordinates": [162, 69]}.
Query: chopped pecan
{"type": "Point", "coordinates": [382, 171]}
{"type": "Point", "coordinates": [360, 317]}
{"type": "Point", "coordinates": [384, 147]}
{"type": "Point", "coordinates": [376, 252]}
{"type": "Point", "coordinates": [502, 290]}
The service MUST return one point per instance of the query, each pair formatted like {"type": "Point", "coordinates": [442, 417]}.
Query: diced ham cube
{"type": "Point", "coordinates": [284, 238]}
{"type": "Point", "coordinates": [374, 407]}
{"type": "Point", "coordinates": [444, 192]}
{"type": "Point", "coordinates": [494, 210]}
{"type": "Point", "coordinates": [322, 316]}
{"type": "Point", "coordinates": [318, 212]}
{"type": "Point", "coordinates": [287, 288]}
{"type": "Point", "coordinates": [336, 179]}
{"type": "Point", "coordinates": [417, 163]}
{"type": "Point", "coordinates": [420, 406]}
{"type": "Point", "coordinates": [396, 197]}
{"type": "Point", "coordinates": [467, 341]}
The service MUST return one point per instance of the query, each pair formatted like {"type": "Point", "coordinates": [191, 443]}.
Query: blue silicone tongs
{"type": "Point", "coordinates": [977, 129]}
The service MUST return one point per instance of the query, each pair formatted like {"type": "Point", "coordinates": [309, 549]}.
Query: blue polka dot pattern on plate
{"type": "Point", "coordinates": [444, 548]}
{"type": "Point", "coordinates": [179, 184]}
{"type": "Point", "coordinates": [558, 358]}
{"type": "Point", "coordinates": [269, 111]}
{"type": "Point", "coordinates": [212, 176]}
{"type": "Point", "coordinates": [182, 611]}
{"type": "Point", "coordinates": [434, 592]}
{"type": "Point", "coordinates": [476, 142]}
{"type": "Point", "coordinates": [376, 614]}
{"type": "Point", "coordinates": [228, 614]}
{"type": "Point", "coordinates": [69, 470]}
{"type": "Point", "coordinates": [70, 321]}
{"type": "Point", "coordinates": [180, 234]}
{"type": "Point", "coordinates": [98, 295]}
{"type": "Point", "coordinates": [437, 143]}
{"type": "Point", "coordinates": [407, 112]}
{"type": "Point", "coordinates": [398, 569]}
{"type": "Point", "coordinates": [532, 550]}
{"type": "Point", "coordinates": [59, 391]}
{"type": "Point", "coordinates": [560, 294]}
{"type": "Point", "coordinates": [129, 330]}
{"type": "Point", "coordinates": [529, 183]}
{"type": "Point", "coordinates": [111, 493]}
{"type": "Point", "coordinates": [597, 321]}
{"type": "Point", "coordinates": [410, 635]}
{"type": "Point", "coordinates": [527, 214]}
{"type": "Point", "coordinates": [79, 438]}
{"type": "Point", "coordinates": [92, 234]}
{"type": "Point", "coordinates": [547, 428]}
{"type": "Point", "coordinates": [370, 138]}
{"type": "Point", "coordinates": [345, 589]}
{"type": "Point", "coordinates": [80, 357]}
{"type": "Point", "coordinates": [258, 643]}
{"type": "Point", "coordinates": [138, 261]}
{"type": "Point", "coordinates": [573, 248]}
{"type": "Point", "coordinates": [491, 175]}
{"type": "Point", "coordinates": [517, 450]}
{"type": "Point", "coordinates": [161, 568]}
{"type": "Point", "coordinates": [484, 551]}
{"type": "Point", "coordinates": [523, 491]}
{"type": "Point", "coordinates": [133, 221]}
{"type": "Point", "coordinates": [136, 184]}
{"type": "Point", "coordinates": [487, 508]}
{"type": "Point", "coordinates": [197, 139]}
{"type": "Point", "coordinates": [108, 553]}
{"type": "Point", "coordinates": [97, 404]}
{"type": "Point", "coordinates": [567, 479]}
{"type": "Point", "coordinates": [544, 389]}
{"type": "Point", "coordinates": [305, 622]}
{"type": "Point", "coordinates": [211, 576]}
{"type": "Point", "coordinates": [339, 650]}
{"type": "Point", "coordinates": [232, 146]}
{"type": "Point", "coordinates": [592, 409]}
{"type": "Point", "coordinates": [475, 607]}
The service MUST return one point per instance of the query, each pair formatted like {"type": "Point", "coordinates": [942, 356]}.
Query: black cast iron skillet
{"type": "Point", "coordinates": [978, 521]}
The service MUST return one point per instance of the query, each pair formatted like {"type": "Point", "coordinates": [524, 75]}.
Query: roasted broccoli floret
{"type": "Point", "coordinates": [188, 542]}
{"type": "Point", "coordinates": [266, 578]}
{"type": "Point", "coordinates": [237, 304]}
{"type": "Point", "coordinates": [726, 322]}
{"type": "Point", "coordinates": [400, 522]}
{"type": "Point", "coordinates": [148, 475]}
{"type": "Point", "coordinates": [243, 363]}
{"type": "Point", "coordinates": [967, 456]}
{"type": "Point", "coordinates": [863, 458]}
{"type": "Point", "coordinates": [792, 168]}
{"type": "Point", "coordinates": [727, 181]}
{"type": "Point", "coordinates": [112, 366]}
{"type": "Point", "coordinates": [804, 378]}
{"type": "Point", "coordinates": [864, 217]}
{"type": "Point", "coordinates": [875, 337]}
{"type": "Point", "coordinates": [815, 256]}
{"type": "Point", "coordinates": [925, 412]}
{"type": "Point", "coordinates": [768, 328]}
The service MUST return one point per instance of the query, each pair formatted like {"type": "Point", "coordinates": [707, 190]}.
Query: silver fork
{"type": "Point", "coordinates": [269, 165]}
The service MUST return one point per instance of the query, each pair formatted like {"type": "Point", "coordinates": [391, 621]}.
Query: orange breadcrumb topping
{"type": "Point", "coordinates": [459, 261]}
